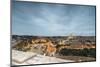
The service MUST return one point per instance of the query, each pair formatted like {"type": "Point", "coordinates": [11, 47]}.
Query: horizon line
{"type": "Point", "coordinates": [52, 36]}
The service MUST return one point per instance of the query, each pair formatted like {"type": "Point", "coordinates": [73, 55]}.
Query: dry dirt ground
{"type": "Point", "coordinates": [77, 58]}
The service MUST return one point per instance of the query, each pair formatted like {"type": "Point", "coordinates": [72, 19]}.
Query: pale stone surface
{"type": "Point", "coordinates": [20, 57]}
{"type": "Point", "coordinates": [26, 58]}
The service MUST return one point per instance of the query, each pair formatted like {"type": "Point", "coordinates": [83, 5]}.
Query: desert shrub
{"type": "Point", "coordinates": [92, 52]}
{"type": "Point", "coordinates": [79, 52]}
{"type": "Point", "coordinates": [65, 52]}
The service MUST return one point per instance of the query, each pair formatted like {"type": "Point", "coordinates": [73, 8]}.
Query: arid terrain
{"type": "Point", "coordinates": [76, 48]}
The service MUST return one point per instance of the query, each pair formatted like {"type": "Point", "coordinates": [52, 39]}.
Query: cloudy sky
{"type": "Point", "coordinates": [43, 19]}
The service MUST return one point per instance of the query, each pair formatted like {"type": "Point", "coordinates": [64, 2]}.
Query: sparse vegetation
{"type": "Point", "coordinates": [80, 46]}
{"type": "Point", "coordinates": [79, 52]}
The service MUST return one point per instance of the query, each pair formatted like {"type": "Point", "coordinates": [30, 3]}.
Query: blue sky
{"type": "Point", "coordinates": [42, 19]}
